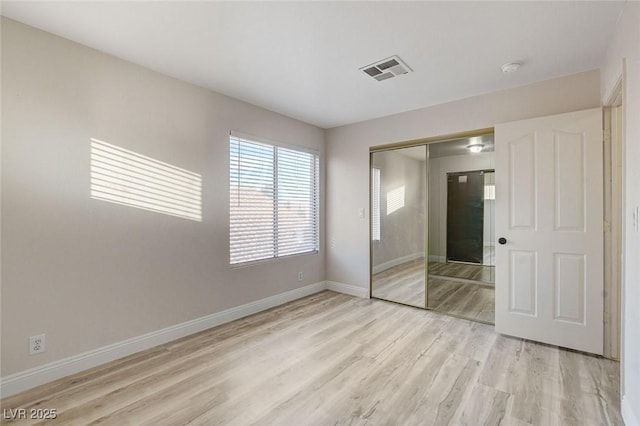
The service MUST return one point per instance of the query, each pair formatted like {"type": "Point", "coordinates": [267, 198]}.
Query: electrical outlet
{"type": "Point", "coordinates": [300, 276]}
{"type": "Point", "coordinates": [37, 344]}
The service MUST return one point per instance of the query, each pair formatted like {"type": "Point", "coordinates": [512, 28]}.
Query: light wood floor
{"type": "Point", "coordinates": [405, 284]}
{"type": "Point", "coordinates": [333, 359]}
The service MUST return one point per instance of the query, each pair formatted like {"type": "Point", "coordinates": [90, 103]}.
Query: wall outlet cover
{"type": "Point", "coordinates": [37, 344]}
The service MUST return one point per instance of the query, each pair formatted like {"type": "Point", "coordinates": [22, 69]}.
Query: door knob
{"type": "Point", "coordinates": [502, 240]}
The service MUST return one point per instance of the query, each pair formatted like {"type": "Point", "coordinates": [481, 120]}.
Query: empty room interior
{"type": "Point", "coordinates": [320, 213]}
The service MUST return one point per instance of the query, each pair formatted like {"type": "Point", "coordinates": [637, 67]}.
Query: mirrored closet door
{"type": "Point", "coordinates": [398, 225]}
{"type": "Point", "coordinates": [461, 235]}
{"type": "Point", "coordinates": [432, 226]}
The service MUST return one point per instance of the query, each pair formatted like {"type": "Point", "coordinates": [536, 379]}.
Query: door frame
{"type": "Point", "coordinates": [613, 145]}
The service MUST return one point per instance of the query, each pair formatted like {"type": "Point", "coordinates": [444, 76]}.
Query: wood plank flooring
{"type": "Point", "coordinates": [333, 359]}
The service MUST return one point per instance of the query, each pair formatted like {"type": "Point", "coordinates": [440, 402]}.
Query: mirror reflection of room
{"type": "Point", "coordinates": [461, 228]}
{"type": "Point", "coordinates": [398, 194]}
{"type": "Point", "coordinates": [435, 202]}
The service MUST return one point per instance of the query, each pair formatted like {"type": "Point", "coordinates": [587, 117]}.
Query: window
{"type": "Point", "coordinates": [274, 200]}
{"type": "Point", "coordinates": [375, 204]}
{"type": "Point", "coordinates": [489, 192]}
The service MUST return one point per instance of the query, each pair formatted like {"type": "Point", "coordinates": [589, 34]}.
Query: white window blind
{"type": "Point", "coordinates": [489, 192]}
{"type": "Point", "coordinates": [274, 201]}
{"type": "Point", "coordinates": [375, 204]}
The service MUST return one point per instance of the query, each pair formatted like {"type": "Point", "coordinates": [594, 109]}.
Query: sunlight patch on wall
{"type": "Point", "coordinates": [395, 200]}
{"type": "Point", "coordinates": [125, 177]}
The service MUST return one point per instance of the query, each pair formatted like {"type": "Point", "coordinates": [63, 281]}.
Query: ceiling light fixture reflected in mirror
{"type": "Point", "coordinates": [475, 145]}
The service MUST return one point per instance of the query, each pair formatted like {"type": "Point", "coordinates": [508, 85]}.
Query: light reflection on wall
{"type": "Point", "coordinates": [125, 177]}
{"type": "Point", "coordinates": [395, 199]}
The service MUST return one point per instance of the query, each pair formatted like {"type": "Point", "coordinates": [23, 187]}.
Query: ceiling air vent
{"type": "Point", "coordinates": [386, 68]}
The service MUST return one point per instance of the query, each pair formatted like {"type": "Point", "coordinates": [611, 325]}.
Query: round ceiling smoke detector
{"type": "Point", "coordinates": [510, 67]}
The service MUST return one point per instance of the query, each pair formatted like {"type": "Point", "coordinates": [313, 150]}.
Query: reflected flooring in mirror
{"type": "Point", "coordinates": [402, 283]}
{"type": "Point", "coordinates": [481, 273]}
{"type": "Point", "coordinates": [459, 289]}
{"type": "Point", "coordinates": [464, 299]}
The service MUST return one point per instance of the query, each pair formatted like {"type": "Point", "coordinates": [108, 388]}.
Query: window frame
{"type": "Point", "coordinates": [315, 198]}
{"type": "Point", "coordinates": [376, 192]}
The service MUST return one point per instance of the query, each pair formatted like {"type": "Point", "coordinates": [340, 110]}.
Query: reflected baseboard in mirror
{"type": "Point", "coordinates": [463, 290]}
{"type": "Point", "coordinates": [481, 273]}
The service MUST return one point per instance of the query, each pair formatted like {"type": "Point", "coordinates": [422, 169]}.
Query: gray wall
{"type": "Point", "coordinates": [402, 233]}
{"type": "Point", "coordinates": [90, 273]}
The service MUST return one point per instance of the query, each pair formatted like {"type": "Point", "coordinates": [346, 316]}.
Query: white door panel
{"type": "Point", "coordinates": [549, 207]}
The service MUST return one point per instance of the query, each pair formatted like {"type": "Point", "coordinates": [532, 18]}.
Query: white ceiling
{"type": "Point", "coordinates": [302, 58]}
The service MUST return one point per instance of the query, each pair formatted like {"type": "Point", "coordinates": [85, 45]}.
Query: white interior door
{"type": "Point", "coordinates": [549, 208]}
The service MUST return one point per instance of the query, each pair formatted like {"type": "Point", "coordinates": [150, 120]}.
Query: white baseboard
{"type": "Point", "coordinates": [628, 415]}
{"type": "Point", "coordinates": [434, 258]}
{"type": "Point", "coordinates": [397, 261]}
{"type": "Point", "coordinates": [348, 289]}
{"type": "Point", "coordinates": [36, 376]}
